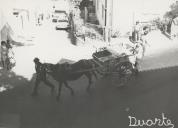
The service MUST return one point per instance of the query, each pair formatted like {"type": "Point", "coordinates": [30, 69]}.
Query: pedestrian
{"type": "Point", "coordinates": [10, 56]}
{"type": "Point", "coordinates": [8, 44]}
{"type": "Point", "coordinates": [144, 42]}
{"type": "Point", "coordinates": [165, 28]}
{"type": "Point", "coordinates": [83, 33]}
{"type": "Point", "coordinates": [41, 76]}
{"type": "Point", "coordinates": [137, 31]}
{"type": "Point", "coordinates": [4, 54]}
{"type": "Point", "coordinates": [169, 27]}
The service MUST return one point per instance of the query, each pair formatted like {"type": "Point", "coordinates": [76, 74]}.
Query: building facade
{"type": "Point", "coordinates": [122, 14]}
{"type": "Point", "coordinates": [104, 12]}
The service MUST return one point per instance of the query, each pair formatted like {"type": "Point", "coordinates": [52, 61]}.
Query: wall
{"type": "Point", "coordinates": [122, 16]}
{"type": "Point", "coordinates": [126, 12]}
{"type": "Point", "coordinates": [100, 5]}
{"type": "Point", "coordinates": [2, 22]}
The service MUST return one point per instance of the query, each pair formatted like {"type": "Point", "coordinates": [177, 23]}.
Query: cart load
{"type": "Point", "coordinates": [111, 61]}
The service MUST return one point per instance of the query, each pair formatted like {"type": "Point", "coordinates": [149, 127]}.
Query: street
{"type": "Point", "coordinates": [149, 95]}
{"type": "Point", "coordinates": [145, 96]}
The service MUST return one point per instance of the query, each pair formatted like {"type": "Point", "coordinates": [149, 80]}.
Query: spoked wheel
{"type": "Point", "coordinates": [125, 68]}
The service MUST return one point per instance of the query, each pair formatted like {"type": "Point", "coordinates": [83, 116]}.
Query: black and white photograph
{"type": "Point", "coordinates": [89, 64]}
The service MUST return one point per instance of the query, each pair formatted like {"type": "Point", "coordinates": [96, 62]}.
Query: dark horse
{"type": "Point", "coordinates": [69, 72]}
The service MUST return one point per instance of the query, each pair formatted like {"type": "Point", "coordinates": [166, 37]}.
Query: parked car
{"type": "Point", "coordinates": [63, 25]}
{"type": "Point", "coordinates": [54, 20]}
{"type": "Point", "coordinates": [62, 20]}
{"type": "Point", "coordinates": [58, 15]}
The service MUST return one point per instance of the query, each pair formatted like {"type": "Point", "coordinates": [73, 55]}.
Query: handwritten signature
{"type": "Point", "coordinates": [163, 121]}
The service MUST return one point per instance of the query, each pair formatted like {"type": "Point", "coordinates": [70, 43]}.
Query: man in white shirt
{"type": "Point", "coordinates": [137, 31]}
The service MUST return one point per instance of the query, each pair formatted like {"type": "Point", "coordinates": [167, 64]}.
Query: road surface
{"type": "Point", "coordinates": [149, 95]}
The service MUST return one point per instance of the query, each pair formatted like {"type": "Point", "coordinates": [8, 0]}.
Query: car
{"type": "Point", "coordinates": [62, 20]}
{"type": "Point", "coordinates": [54, 20]}
{"type": "Point", "coordinates": [63, 25]}
{"type": "Point", "coordinates": [58, 15]}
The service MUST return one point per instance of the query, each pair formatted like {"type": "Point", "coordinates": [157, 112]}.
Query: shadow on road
{"type": "Point", "coordinates": [72, 37]}
{"type": "Point", "coordinates": [145, 96]}
{"type": "Point", "coordinates": [11, 80]}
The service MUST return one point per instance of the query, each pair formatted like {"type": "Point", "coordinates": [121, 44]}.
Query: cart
{"type": "Point", "coordinates": [116, 65]}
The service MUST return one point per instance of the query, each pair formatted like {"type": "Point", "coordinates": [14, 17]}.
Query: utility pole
{"type": "Point", "coordinates": [107, 23]}
{"type": "Point", "coordinates": [133, 19]}
{"type": "Point", "coordinates": [108, 20]}
{"type": "Point", "coordinates": [22, 21]}
{"type": "Point", "coordinates": [85, 14]}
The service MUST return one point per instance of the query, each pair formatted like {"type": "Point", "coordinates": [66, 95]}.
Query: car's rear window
{"type": "Point", "coordinates": [62, 21]}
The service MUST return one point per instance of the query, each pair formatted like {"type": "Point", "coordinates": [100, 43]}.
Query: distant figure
{"type": "Point", "coordinates": [137, 31]}
{"type": "Point", "coordinates": [10, 56]}
{"type": "Point", "coordinates": [4, 54]}
{"type": "Point", "coordinates": [169, 27]}
{"type": "Point", "coordinates": [164, 28]}
{"type": "Point", "coordinates": [38, 21]}
{"type": "Point", "coordinates": [83, 32]}
{"type": "Point", "coordinates": [40, 76]}
{"type": "Point", "coordinates": [144, 41]}
{"type": "Point", "coordinates": [8, 44]}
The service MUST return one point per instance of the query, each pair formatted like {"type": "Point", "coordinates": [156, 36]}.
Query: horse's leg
{"type": "Point", "coordinates": [35, 89]}
{"type": "Point", "coordinates": [94, 73]}
{"type": "Point", "coordinates": [59, 90]}
{"type": "Point", "coordinates": [67, 86]}
{"type": "Point", "coordinates": [89, 76]}
{"type": "Point", "coordinates": [49, 85]}
{"type": "Point", "coordinates": [3, 63]}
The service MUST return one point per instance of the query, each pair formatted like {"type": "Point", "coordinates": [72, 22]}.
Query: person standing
{"type": "Point", "coordinates": [137, 31]}
{"type": "Point", "coordinates": [10, 56]}
{"type": "Point", "coordinates": [41, 76]}
{"type": "Point", "coordinates": [4, 54]}
{"type": "Point", "coordinates": [144, 42]}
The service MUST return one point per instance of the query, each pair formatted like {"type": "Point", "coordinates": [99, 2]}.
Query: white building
{"type": "Point", "coordinates": [122, 14]}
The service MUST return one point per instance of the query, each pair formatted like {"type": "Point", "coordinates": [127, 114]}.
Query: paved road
{"type": "Point", "coordinates": [146, 96]}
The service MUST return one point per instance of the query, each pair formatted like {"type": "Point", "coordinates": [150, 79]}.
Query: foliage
{"type": "Point", "coordinates": [93, 33]}
{"type": "Point", "coordinates": [84, 3]}
{"type": "Point", "coordinates": [115, 33]}
{"type": "Point", "coordinates": [173, 12]}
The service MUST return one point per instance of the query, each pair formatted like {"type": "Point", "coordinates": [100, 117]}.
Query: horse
{"type": "Point", "coordinates": [65, 72]}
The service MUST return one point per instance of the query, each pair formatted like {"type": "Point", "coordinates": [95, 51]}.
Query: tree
{"type": "Point", "coordinates": [84, 3]}
{"type": "Point", "coordinates": [173, 13]}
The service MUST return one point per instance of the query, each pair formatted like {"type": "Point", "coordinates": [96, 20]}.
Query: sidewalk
{"type": "Point", "coordinates": [161, 52]}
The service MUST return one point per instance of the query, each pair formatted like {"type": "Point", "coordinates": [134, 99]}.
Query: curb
{"type": "Point", "coordinates": [79, 39]}
{"type": "Point", "coordinates": [157, 69]}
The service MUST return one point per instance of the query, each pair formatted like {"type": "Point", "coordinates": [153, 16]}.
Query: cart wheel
{"type": "Point", "coordinates": [125, 68]}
